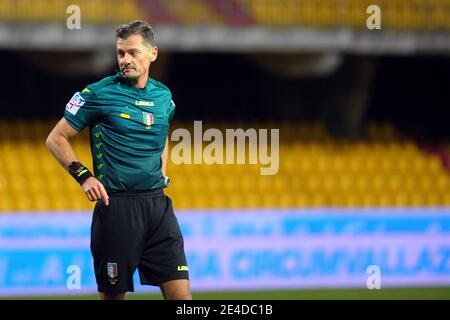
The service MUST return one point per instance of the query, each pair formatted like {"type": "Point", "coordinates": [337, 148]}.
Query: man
{"type": "Point", "coordinates": [133, 224]}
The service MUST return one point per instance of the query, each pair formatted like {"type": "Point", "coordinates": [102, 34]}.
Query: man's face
{"type": "Point", "coordinates": [135, 56]}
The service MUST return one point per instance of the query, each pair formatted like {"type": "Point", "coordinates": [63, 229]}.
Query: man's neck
{"type": "Point", "coordinates": [141, 82]}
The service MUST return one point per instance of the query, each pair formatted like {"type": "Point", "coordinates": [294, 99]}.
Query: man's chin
{"type": "Point", "coordinates": [132, 75]}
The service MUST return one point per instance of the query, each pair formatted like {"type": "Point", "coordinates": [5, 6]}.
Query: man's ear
{"type": "Point", "coordinates": [154, 53]}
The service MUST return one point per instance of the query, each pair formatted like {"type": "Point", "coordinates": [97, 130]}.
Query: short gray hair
{"type": "Point", "coordinates": [139, 27]}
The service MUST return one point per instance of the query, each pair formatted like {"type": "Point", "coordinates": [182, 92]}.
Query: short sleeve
{"type": "Point", "coordinates": [83, 109]}
{"type": "Point", "coordinates": [171, 110]}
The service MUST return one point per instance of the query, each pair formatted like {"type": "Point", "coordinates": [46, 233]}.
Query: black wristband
{"type": "Point", "coordinates": [79, 172]}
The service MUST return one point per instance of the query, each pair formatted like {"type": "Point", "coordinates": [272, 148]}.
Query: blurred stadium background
{"type": "Point", "coordinates": [364, 144]}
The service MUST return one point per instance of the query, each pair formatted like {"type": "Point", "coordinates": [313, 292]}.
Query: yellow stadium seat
{"type": "Point", "coordinates": [302, 200]}
{"type": "Point", "coordinates": [362, 182]}
{"type": "Point", "coordinates": [269, 200]}
{"type": "Point", "coordinates": [315, 171]}
{"type": "Point", "coordinates": [417, 200]}
{"type": "Point", "coordinates": [41, 202]}
{"type": "Point", "coordinates": [433, 199]}
{"type": "Point", "coordinates": [442, 182]}
{"type": "Point", "coordinates": [386, 199]}
{"type": "Point", "coordinates": [252, 200]}
{"type": "Point", "coordinates": [445, 199]}
{"type": "Point", "coordinates": [247, 183]}
{"type": "Point", "coordinates": [218, 201]}
{"type": "Point", "coordinates": [286, 200]}
{"type": "Point", "coordinates": [79, 201]}
{"type": "Point", "coordinates": [319, 200]}
{"type": "Point", "coordinates": [22, 202]}
{"type": "Point", "coordinates": [6, 202]}
{"type": "Point", "coordinates": [329, 183]}
{"type": "Point", "coordinates": [368, 199]}
{"type": "Point", "coordinates": [235, 201]}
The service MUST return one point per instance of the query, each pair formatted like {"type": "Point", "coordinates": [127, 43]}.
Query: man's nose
{"type": "Point", "coordinates": [126, 59]}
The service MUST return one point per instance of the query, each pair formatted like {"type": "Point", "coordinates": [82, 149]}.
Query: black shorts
{"type": "Point", "coordinates": [136, 230]}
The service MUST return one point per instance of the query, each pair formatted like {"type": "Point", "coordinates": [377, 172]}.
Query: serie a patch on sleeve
{"type": "Point", "coordinates": [75, 103]}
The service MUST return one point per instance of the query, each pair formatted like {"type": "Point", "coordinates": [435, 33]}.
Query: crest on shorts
{"type": "Point", "coordinates": [148, 119]}
{"type": "Point", "coordinates": [112, 272]}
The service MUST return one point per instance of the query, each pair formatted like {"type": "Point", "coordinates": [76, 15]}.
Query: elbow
{"type": "Point", "coordinates": [51, 141]}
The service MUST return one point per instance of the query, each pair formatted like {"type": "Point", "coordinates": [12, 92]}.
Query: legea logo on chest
{"type": "Point", "coordinates": [144, 103]}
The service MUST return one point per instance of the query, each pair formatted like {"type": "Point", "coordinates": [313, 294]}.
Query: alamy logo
{"type": "Point", "coordinates": [74, 20]}
{"type": "Point", "coordinates": [374, 278]}
{"type": "Point", "coordinates": [374, 20]}
{"type": "Point", "coordinates": [74, 279]}
{"type": "Point", "coordinates": [235, 148]}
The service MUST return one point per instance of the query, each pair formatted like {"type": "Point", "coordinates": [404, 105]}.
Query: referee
{"type": "Point", "coordinates": [133, 224]}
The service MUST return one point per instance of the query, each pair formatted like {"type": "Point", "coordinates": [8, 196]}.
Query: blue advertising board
{"type": "Point", "coordinates": [48, 253]}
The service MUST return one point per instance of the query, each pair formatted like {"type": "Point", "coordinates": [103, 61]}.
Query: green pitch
{"type": "Point", "coordinates": [345, 294]}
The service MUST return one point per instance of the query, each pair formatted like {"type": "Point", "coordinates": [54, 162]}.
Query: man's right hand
{"type": "Point", "coordinates": [95, 190]}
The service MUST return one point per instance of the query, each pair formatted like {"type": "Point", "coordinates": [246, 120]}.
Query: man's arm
{"type": "Point", "coordinates": [164, 157]}
{"type": "Point", "coordinates": [58, 144]}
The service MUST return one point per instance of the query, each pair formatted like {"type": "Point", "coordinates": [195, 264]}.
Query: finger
{"type": "Point", "coordinates": [97, 192]}
{"type": "Point", "coordinates": [105, 196]}
{"type": "Point", "coordinates": [92, 194]}
{"type": "Point", "coordinates": [88, 195]}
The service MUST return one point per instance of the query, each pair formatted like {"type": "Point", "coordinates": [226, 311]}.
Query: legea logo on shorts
{"type": "Point", "coordinates": [183, 268]}
{"type": "Point", "coordinates": [239, 145]}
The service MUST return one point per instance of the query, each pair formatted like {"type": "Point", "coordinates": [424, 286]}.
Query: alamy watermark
{"type": "Point", "coordinates": [73, 281]}
{"type": "Point", "coordinates": [221, 150]}
{"type": "Point", "coordinates": [73, 21]}
{"type": "Point", "coordinates": [374, 20]}
{"type": "Point", "coordinates": [374, 278]}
